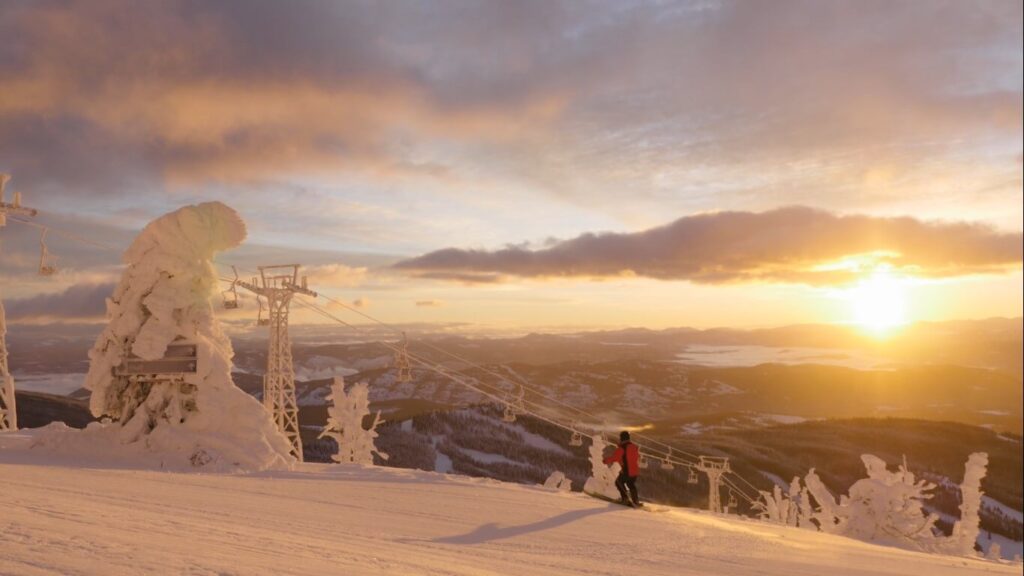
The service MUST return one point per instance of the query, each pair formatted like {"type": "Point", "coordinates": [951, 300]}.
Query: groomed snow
{"type": "Point", "coordinates": [66, 516]}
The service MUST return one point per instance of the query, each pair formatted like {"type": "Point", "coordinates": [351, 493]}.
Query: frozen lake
{"type": "Point", "coordinates": [747, 355]}
{"type": "Point", "coordinates": [60, 384]}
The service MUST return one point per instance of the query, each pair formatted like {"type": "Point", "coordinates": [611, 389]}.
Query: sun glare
{"type": "Point", "coordinates": [879, 302]}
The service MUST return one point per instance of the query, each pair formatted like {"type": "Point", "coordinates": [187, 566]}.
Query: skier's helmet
{"type": "Point", "coordinates": [624, 436]}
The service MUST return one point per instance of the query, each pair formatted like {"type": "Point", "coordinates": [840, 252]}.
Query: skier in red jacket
{"type": "Point", "coordinates": [628, 456]}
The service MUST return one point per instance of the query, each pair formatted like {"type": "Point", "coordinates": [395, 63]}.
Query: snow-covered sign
{"type": "Point", "coordinates": [162, 367]}
{"type": "Point", "coordinates": [345, 423]}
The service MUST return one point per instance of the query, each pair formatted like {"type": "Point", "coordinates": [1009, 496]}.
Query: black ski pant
{"type": "Point", "coordinates": [622, 483]}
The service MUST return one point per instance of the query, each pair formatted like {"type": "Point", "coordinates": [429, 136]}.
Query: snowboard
{"type": "Point", "coordinates": [642, 506]}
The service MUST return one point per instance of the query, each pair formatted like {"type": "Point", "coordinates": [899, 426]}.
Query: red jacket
{"type": "Point", "coordinates": [628, 456]}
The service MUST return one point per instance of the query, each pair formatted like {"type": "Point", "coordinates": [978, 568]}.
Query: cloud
{"type": "Point", "coordinates": [794, 244]}
{"type": "Point", "coordinates": [467, 278]}
{"type": "Point", "coordinates": [429, 303]}
{"type": "Point", "coordinates": [334, 275]}
{"type": "Point", "coordinates": [80, 302]}
{"type": "Point", "coordinates": [190, 92]}
{"type": "Point", "coordinates": [683, 103]}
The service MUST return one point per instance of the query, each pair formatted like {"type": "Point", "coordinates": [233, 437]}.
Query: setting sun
{"type": "Point", "coordinates": [879, 301]}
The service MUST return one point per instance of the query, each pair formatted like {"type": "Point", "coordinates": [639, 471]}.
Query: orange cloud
{"type": "Point", "coordinates": [334, 275]}
{"type": "Point", "coordinates": [79, 302]}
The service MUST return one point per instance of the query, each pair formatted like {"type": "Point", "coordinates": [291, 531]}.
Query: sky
{"type": "Point", "coordinates": [532, 164]}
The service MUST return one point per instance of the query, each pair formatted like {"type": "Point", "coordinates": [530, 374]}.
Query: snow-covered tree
{"type": "Point", "coordinates": [887, 507]}
{"type": "Point", "coordinates": [828, 515]}
{"type": "Point", "coordinates": [8, 412]}
{"type": "Point", "coordinates": [779, 507]}
{"type": "Point", "coordinates": [602, 478]}
{"type": "Point", "coordinates": [345, 423]}
{"type": "Point", "coordinates": [164, 294]}
{"type": "Point", "coordinates": [965, 530]}
{"type": "Point", "coordinates": [558, 481]}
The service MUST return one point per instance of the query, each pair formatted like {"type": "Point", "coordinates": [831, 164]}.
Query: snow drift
{"type": "Point", "coordinates": [199, 419]}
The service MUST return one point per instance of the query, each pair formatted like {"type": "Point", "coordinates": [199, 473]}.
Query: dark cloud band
{"type": "Point", "coordinates": [793, 244]}
{"type": "Point", "coordinates": [78, 302]}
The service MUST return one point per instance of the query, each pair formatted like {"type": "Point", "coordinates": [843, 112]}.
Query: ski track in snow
{"type": "Point", "coordinates": [64, 516]}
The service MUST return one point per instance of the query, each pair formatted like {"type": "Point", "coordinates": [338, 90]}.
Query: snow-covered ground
{"type": "Point", "coordinates": [71, 515]}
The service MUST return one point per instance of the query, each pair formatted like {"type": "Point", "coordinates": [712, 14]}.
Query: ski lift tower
{"type": "Point", "coordinates": [715, 467]}
{"type": "Point", "coordinates": [278, 284]}
{"type": "Point", "coordinates": [8, 407]}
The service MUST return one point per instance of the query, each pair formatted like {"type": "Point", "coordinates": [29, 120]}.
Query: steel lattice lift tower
{"type": "Point", "coordinates": [8, 406]}
{"type": "Point", "coordinates": [278, 284]}
{"type": "Point", "coordinates": [715, 468]}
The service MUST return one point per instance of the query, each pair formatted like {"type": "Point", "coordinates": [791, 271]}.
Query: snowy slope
{"type": "Point", "coordinates": [59, 516]}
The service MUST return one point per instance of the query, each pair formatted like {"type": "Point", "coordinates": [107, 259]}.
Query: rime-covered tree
{"type": "Point", "coordinates": [558, 481]}
{"type": "Point", "coordinates": [345, 423]}
{"type": "Point", "coordinates": [887, 507]}
{"type": "Point", "coordinates": [8, 413]}
{"type": "Point", "coordinates": [827, 516]}
{"type": "Point", "coordinates": [602, 477]}
{"type": "Point", "coordinates": [164, 296]}
{"type": "Point", "coordinates": [781, 507]}
{"type": "Point", "coordinates": [965, 531]}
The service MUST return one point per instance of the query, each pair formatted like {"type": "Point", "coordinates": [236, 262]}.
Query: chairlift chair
{"type": "Point", "coordinates": [231, 294]}
{"type": "Point", "coordinates": [666, 463]}
{"type": "Point", "coordinates": [230, 298]}
{"type": "Point", "coordinates": [46, 260]}
{"type": "Point", "coordinates": [260, 320]}
{"type": "Point", "coordinates": [643, 462]}
{"type": "Point", "coordinates": [509, 415]}
{"type": "Point", "coordinates": [692, 479]}
{"type": "Point", "coordinates": [576, 440]}
{"type": "Point", "coordinates": [732, 500]}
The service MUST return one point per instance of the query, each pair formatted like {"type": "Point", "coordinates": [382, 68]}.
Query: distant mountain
{"type": "Point", "coordinates": [992, 344]}
{"type": "Point", "coordinates": [676, 399]}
